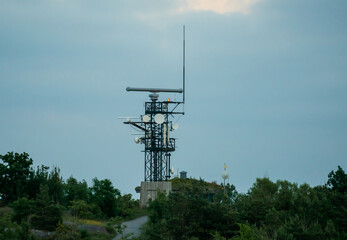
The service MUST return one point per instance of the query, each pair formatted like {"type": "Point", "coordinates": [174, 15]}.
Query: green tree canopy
{"type": "Point", "coordinates": [104, 195]}
{"type": "Point", "coordinates": [14, 175]}
{"type": "Point", "coordinates": [338, 180]}
{"type": "Point", "coordinates": [75, 190]}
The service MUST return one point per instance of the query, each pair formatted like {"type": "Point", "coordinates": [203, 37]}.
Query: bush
{"type": "Point", "coordinates": [84, 233]}
{"type": "Point", "coordinates": [46, 219]}
{"type": "Point", "coordinates": [82, 209]}
{"type": "Point", "coordinates": [23, 207]}
{"type": "Point", "coordinates": [10, 230]}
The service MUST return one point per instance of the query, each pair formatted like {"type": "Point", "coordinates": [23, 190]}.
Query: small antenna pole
{"type": "Point", "coordinates": [184, 61]}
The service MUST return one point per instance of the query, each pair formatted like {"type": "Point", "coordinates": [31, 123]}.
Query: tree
{"type": "Point", "coordinates": [337, 180]}
{"type": "Point", "coordinates": [157, 227]}
{"type": "Point", "coordinates": [255, 205]}
{"type": "Point", "coordinates": [126, 205]}
{"type": "Point", "coordinates": [12, 231]}
{"type": "Point", "coordinates": [22, 207]}
{"type": "Point", "coordinates": [104, 195]}
{"type": "Point", "coordinates": [246, 232]}
{"type": "Point", "coordinates": [82, 209]}
{"type": "Point", "coordinates": [55, 185]}
{"type": "Point", "coordinates": [47, 215]}
{"type": "Point", "coordinates": [188, 214]}
{"type": "Point", "coordinates": [36, 179]}
{"type": "Point", "coordinates": [337, 199]}
{"type": "Point", "coordinates": [75, 190]}
{"type": "Point", "coordinates": [6, 227]}
{"type": "Point", "coordinates": [14, 175]}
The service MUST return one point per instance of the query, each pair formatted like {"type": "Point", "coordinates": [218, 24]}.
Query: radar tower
{"type": "Point", "coordinates": [156, 125]}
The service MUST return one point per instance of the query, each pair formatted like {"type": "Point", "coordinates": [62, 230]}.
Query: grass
{"type": "Point", "coordinates": [136, 213]}
{"type": "Point", "coordinates": [6, 210]}
{"type": "Point", "coordinates": [68, 217]}
{"type": "Point", "coordinates": [91, 222]}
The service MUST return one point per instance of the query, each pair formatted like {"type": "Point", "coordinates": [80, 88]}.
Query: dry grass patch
{"type": "Point", "coordinates": [91, 222]}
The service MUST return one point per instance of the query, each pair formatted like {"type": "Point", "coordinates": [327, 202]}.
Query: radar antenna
{"type": "Point", "coordinates": [156, 125]}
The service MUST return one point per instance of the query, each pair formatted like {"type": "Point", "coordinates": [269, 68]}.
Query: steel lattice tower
{"type": "Point", "coordinates": [156, 125]}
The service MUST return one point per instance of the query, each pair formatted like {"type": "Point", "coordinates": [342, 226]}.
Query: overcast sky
{"type": "Point", "coordinates": [266, 86]}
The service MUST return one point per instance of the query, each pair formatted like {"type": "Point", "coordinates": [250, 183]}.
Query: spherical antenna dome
{"type": "Point", "coordinates": [175, 126]}
{"type": "Point", "coordinates": [225, 175]}
{"type": "Point", "coordinates": [146, 118]}
{"type": "Point", "coordinates": [159, 118]}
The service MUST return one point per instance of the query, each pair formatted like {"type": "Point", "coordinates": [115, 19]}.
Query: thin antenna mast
{"type": "Point", "coordinates": [184, 61]}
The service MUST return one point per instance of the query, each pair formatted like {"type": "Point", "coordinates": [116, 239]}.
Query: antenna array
{"type": "Point", "coordinates": [156, 125]}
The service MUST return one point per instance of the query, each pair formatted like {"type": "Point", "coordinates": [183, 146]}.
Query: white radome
{"type": "Point", "coordinates": [225, 175]}
{"type": "Point", "coordinates": [146, 118]}
{"type": "Point", "coordinates": [175, 126]}
{"type": "Point", "coordinates": [159, 118]}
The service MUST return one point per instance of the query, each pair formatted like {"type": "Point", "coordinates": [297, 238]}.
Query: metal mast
{"type": "Point", "coordinates": [156, 125]}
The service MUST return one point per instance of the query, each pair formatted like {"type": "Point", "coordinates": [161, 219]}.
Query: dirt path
{"type": "Point", "coordinates": [133, 226]}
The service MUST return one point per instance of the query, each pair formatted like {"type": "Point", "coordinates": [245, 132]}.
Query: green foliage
{"type": "Point", "coordinates": [285, 211]}
{"type": "Point", "coordinates": [184, 216]}
{"type": "Point", "coordinates": [47, 214]}
{"type": "Point", "coordinates": [6, 210]}
{"type": "Point", "coordinates": [269, 210]}
{"type": "Point", "coordinates": [14, 176]}
{"type": "Point", "coordinates": [84, 233]}
{"type": "Point", "coordinates": [55, 185]}
{"type": "Point", "coordinates": [256, 204]}
{"type": "Point", "coordinates": [126, 205]}
{"type": "Point", "coordinates": [338, 180]}
{"type": "Point", "coordinates": [82, 209]}
{"type": "Point", "coordinates": [74, 190]}
{"type": "Point", "coordinates": [37, 198]}
{"type": "Point", "coordinates": [13, 231]}
{"type": "Point", "coordinates": [6, 226]}
{"type": "Point", "coordinates": [245, 232]}
{"type": "Point", "coordinates": [46, 218]}
{"type": "Point", "coordinates": [195, 210]}
{"type": "Point", "coordinates": [215, 236]}
{"type": "Point", "coordinates": [104, 195]}
{"type": "Point", "coordinates": [191, 186]}
{"type": "Point", "coordinates": [114, 225]}
{"type": "Point", "coordinates": [23, 207]}
{"type": "Point", "coordinates": [37, 179]}
{"type": "Point", "coordinates": [66, 233]}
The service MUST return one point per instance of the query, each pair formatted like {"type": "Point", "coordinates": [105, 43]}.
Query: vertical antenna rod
{"type": "Point", "coordinates": [184, 61]}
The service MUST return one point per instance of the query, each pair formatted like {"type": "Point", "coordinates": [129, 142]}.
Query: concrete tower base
{"type": "Point", "coordinates": [149, 190]}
